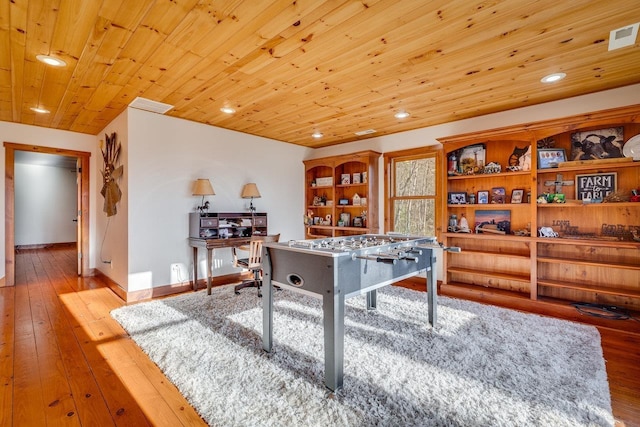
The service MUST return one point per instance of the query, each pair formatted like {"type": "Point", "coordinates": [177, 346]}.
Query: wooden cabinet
{"type": "Point", "coordinates": [341, 195]}
{"type": "Point", "coordinates": [594, 257]}
{"type": "Point", "coordinates": [214, 225]}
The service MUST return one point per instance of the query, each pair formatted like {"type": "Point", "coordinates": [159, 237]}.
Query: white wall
{"type": "Point", "coordinates": [165, 156]}
{"type": "Point", "coordinates": [112, 233]}
{"type": "Point", "coordinates": [46, 203]}
{"type": "Point", "coordinates": [34, 135]}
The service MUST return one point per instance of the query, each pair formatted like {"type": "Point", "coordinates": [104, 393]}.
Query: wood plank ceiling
{"type": "Point", "coordinates": [292, 67]}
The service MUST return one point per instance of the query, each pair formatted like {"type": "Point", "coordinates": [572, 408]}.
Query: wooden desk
{"type": "Point", "coordinates": [210, 245]}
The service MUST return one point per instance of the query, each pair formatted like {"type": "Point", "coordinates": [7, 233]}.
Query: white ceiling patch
{"type": "Point", "coordinates": [149, 105]}
{"type": "Point", "coordinates": [623, 37]}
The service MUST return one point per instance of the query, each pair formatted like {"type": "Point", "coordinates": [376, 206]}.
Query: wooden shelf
{"type": "Point", "coordinates": [489, 236]}
{"type": "Point", "coordinates": [590, 288]}
{"type": "Point", "coordinates": [495, 274]}
{"type": "Point", "coordinates": [493, 253]}
{"type": "Point", "coordinates": [359, 165]}
{"type": "Point", "coordinates": [588, 242]}
{"type": "Point", "coordinates": [489, 175]}
{"type": "Point", "coordinates": [488, 206]}
{"type": "Point", "coordinates": [589, 263]}
{"type": "Point", "coordinates": [361, 184]}
{"type": "Point", "coordinates": [579, 204]}
{"type": "Point", "coordinates": [363, 230]}
{"type": "Point", "coordinates": [584, 250]}
{"type": "Point", "coordinates": [596, 167]}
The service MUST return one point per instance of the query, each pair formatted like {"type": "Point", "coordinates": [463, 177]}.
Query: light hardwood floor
{"type": "Point", "coordinates": [65, 361]}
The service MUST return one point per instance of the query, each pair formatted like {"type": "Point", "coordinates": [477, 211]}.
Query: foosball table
{"type": "Point", "coordinates": [335, 269]}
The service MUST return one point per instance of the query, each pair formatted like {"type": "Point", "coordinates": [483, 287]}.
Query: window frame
{"type": "Point", "coordinates": [433, 151]}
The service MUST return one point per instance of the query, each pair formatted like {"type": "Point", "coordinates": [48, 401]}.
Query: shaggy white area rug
{"type": "Point", "coordinates": [481, 365]}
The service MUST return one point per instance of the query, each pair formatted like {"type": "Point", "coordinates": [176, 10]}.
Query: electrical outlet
{"type": "Point", "coordinates": [179, 273]}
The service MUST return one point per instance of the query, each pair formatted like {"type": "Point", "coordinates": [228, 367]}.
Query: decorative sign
{"type": "Point", "coordinates": [595, 186]}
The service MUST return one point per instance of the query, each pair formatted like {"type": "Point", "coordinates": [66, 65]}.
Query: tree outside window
{"type": "Point", "coordinates": [411, 192]}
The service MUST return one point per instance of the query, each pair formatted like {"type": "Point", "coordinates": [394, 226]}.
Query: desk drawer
{"type": "Point", "coordinates": [208, 222]}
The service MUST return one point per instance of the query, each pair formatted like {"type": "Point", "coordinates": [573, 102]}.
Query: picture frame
{"type": "Point", "coordinates": [598, 144]}
{"type": "Point", "coordinates": [483, 197]}
{"type": "Point", "coordinates": [493, 221]}
{"type": "Point", "coordinates": [357, 221]}
{"type": "Point", "coordinates": [343, 202]}
{"type": "Point", "coordinates": [498, 195]}
{"type": "Point", "coordinates": [345, 179]}
{"type": "Point", "coordinates": [472, 159]}
{"type": "Point", "coordinates": [596, 186]}
{"type": "Point", "coordinates": [457, 198]}
{"type": "Point", "coordinates": [345, 217]}
{"type": "Point", "coordinates": [550, 157]}
{"type": "Point", "coordinates": [517, 195]}
{"type": "Point", "coordinates": [356, 178]}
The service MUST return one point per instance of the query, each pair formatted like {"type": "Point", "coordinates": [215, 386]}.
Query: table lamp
{"type": "Point", "coordinates": [202, 187]}
{"type": "Point", "coordinates": [249, 191]}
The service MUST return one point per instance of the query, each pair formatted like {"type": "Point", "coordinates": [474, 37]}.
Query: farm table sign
{"type": "Point", "coordinates": [595, 186]}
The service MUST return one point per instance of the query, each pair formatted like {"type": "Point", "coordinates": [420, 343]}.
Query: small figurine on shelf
{"type": "Point", "coordinates": [464, 225]}
{"type": "Point", "coordinates": [453, 164]}
{"type": "Point", "coordinates": [308, 218]}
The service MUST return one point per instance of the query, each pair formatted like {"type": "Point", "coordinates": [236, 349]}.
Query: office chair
{"type": "Point", "coordinates": [253, 263]}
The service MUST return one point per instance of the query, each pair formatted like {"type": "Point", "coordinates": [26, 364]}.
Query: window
{"type": "Point", "coordinates": [411, 192]}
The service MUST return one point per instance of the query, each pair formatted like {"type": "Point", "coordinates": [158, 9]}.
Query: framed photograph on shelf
{"type": "Point", "coordinates": [517, 195]}
{"type": "Point", "coordinates": [550, 157]}
{"type": "Point", "coordinates": [457, 198]}
{"type": "Point", "coordinates": [493, 221]}
{"type": "Point", "coordinates": [343, 202]}
{"type": "Point", "coordinates": [472, 159]}
{"type": "Point", "coordinates": [345, 217]}
{"type": "Point", "coordinates": [345, 179]}
{"type": "Point", "coordinates": [356, 178]}
{"type": "Point", "coordinates": [483, 197]}
{"type": "Point", "coordinates": [498, 195]}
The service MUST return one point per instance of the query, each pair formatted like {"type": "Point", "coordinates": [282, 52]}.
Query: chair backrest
{"type": "Point", "coordinates": [255, 248]}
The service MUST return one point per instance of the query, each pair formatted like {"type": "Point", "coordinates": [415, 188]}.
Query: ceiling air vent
{"type": "Point", "coordinates": [149, 105]}
{"type": "Point", "coordinates": [623, 37]}
{"type": "Point", "coordinates": [366, 132]}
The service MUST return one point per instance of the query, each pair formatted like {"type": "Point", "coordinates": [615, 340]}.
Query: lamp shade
{"type": "Point", "coordinates": [203, 187]}
{"type": "Point", "coordinates": [250, 190]}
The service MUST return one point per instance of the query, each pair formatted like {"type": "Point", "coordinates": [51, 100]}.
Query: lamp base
{"type": "Point", "coordinates": [204, 207]}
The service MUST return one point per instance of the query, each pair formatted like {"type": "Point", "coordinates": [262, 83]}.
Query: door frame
{"type": "Point", "coordinates": [9, 212]}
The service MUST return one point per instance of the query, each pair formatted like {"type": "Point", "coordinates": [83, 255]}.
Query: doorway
{"type": "Point", "coordinates": [83, 205]}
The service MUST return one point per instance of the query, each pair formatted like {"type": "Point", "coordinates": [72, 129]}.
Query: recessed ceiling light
{"type": "Point", "coordinates": [228, 110]}
{"type": "Point", "coordinates": [401, 115]}
{"type": "Point", "coordinates": [551, 78]}
{"type": "Point", "coordinates": [40, 110]}
{"type": "Point", "coordinates": [365, 132]}
{"type": "Point", "coordinates": [317, 135]}
{"type": "Point", "coordinates": [50, 60]}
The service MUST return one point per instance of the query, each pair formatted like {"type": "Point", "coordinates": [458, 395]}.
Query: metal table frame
{"type": "Point", "coordinates": [333, 312]}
